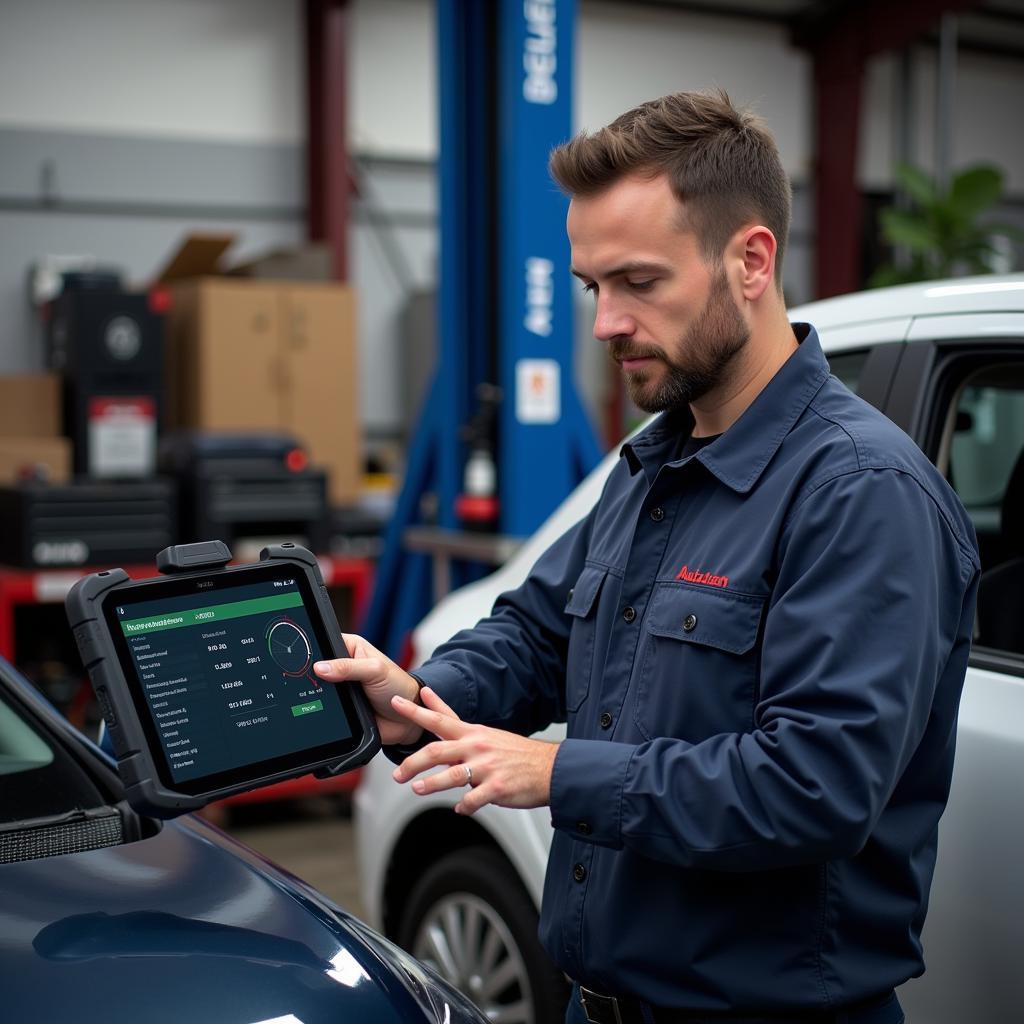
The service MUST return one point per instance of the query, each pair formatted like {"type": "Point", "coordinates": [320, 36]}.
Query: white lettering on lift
{"type": "Point", "coordinates": [540, 296]}
{"type": "Point", "coordinates": [540, 52]}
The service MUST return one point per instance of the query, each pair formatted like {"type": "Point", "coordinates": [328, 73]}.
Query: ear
{"type": "Point", "coordinates": [757, 248]}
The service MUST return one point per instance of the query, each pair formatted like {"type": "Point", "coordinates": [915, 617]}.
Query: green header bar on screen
{"type": "Point", "coordinates": [214, 613]}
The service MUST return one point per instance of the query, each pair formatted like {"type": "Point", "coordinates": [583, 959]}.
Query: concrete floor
{"type": "Point", "coordinates": [311, 838]}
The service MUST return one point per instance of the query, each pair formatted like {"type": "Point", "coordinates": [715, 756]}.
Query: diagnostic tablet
{"type": "Point", "coordinates": [205, 677]}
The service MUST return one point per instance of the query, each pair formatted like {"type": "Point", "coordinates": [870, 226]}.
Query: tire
{"type": "Point", "coordinates": [473, 898]}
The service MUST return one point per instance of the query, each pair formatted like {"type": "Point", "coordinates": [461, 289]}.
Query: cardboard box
{"type": "Point", "coordinates": [45, 457]}
{"type": "Point", "coordinates": [319, 395]}
{"type": "Point", "coordinates": [311, 262]}
{"type": "Point", "coordinates": [201, 255]}
{"type": "Point", "coordinates": [262, 355]}
{"type": "Point", "coordinates": [197, 256]}
{"type": "Point", "coordinates": [30, 405]}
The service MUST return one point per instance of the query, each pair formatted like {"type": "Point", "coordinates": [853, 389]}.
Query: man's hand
{"type": "Point", "coordinates": [381, 679]}
{"type": "Point", "coordinates": [499, 767]}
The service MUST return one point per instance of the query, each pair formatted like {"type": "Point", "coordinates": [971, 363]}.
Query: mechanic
{"type": "Point", "coordinates": [758, 636]}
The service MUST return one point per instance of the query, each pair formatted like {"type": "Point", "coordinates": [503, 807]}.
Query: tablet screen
{"type": "Point", "coordinates": [221, 673]}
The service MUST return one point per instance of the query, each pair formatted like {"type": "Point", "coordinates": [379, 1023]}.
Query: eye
{"type": "Point", "coordinates": [641, 286]}
{"type": "Point", "coordinates": [590, 288]}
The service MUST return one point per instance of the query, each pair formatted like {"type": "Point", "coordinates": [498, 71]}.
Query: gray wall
{"type": "Point", "coordinates": [129, 200]}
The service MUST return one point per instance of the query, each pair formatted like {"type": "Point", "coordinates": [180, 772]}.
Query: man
{"type": "Point", "coordinates": [758, 636]}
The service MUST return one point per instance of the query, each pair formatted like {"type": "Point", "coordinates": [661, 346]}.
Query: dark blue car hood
{"type": "Point", "coordinates": [186, 927]}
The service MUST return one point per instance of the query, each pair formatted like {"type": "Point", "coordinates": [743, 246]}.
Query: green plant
{"type": "Point", "coordinates": [941, 232]}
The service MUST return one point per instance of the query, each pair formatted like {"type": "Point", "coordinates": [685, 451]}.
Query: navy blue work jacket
{"type": "Point", "coordinates": [759, 651]}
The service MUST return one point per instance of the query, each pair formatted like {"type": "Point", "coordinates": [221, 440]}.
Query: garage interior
{"type": "Point", "coordinates": [264, 276]}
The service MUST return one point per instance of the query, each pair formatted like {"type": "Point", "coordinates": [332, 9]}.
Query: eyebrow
{"type": "Point", "coordinates": [632, 267]}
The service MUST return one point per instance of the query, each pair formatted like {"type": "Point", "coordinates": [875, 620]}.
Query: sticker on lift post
{"type": "Point", "coordinates": [538, 391]}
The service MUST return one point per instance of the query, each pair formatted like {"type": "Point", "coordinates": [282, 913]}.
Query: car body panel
{"type": "Point", "coordinates": [973, 328]}
{"type": "Point", "coordinates": [975, 927]}
{"type": "Point", "coordinates": [385, 814]}
{"type": "Point", "coordinates": [843, 337]}
{"type": "Point", "coordinates": [988, 294]}
{"type": "Point", "coordinates": [190, 923]}
{"type": "Point", "coordinates": [184, 924]}
{"type": "Point", "coordinates": [976, 891]}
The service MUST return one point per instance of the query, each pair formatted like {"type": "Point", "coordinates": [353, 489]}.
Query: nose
{"type": "Point", "coordinates": [610, 321]}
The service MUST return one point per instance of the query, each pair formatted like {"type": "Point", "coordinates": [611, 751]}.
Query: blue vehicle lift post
{"type": "Point", "coordinates": [505, 299]}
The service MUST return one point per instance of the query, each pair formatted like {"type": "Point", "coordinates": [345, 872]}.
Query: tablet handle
{"type": "Point", "coordinates": [206, 554]}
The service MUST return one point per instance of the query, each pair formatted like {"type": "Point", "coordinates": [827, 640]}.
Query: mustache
{"type": "Point", "coordinates": [622, 348]}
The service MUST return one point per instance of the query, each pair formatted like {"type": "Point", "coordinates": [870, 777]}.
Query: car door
{"type": "Point", "coordinates": [865, 356]}
{"type": "Point", "coordinates": [959, 391]}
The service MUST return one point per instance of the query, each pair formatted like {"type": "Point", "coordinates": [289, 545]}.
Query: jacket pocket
{"type": "Point", "coordinates": [581, 605]}
{"type": "Point", "coordinates": [698, 671]}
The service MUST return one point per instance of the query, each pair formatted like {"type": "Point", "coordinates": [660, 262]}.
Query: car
{"type": "Point", "coordinates": [106, 915]}
{"type": "Point", "coordinates": [945, 361]}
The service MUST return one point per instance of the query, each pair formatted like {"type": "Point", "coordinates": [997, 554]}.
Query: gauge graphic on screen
{"type": "Point", "coordinates": [289, 646]}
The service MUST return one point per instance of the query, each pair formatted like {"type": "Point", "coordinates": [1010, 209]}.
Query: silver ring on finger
{"type": "Point", "coordinates": [469, 775]}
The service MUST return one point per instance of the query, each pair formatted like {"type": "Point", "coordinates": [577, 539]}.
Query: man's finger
{"type": "Point", "coordinates": [430, 756]}
{"type": "Point", "coordinates": [448, 726]}
{"type": "Point", "coordinates": [452, 778]}
{"type": "Point", "coordinates": [473, 800]}
{"type": "Point", "coordinates": [431, 700]}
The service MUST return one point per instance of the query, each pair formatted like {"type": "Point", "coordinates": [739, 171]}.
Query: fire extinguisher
{"type": "Point", "coordinates": [477, 506]}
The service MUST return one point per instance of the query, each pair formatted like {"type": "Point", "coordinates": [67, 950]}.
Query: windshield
{"type": "Point", "coordinates": [39, 777]}
{"type": "Point", "coordinates": [21, 749]}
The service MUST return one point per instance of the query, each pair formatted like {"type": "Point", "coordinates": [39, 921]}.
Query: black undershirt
{"type": "Point", "coordinates": [693, 445]}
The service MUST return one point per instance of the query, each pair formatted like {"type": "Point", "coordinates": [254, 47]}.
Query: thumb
{"type": "Point", "coordinates": [359, 670]}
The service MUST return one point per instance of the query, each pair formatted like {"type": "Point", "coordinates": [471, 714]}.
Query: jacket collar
{"type": "Point", "coordinates": [740, 455]}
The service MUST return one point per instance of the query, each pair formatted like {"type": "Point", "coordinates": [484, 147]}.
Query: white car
{"type": "Point", "coordinates": [946, 362]}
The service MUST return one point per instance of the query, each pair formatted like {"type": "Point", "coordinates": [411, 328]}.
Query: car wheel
{"type": "Point", "coordinates": [471, 920]}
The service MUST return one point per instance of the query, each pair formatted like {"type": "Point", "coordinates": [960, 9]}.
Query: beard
{"type": "Point", "coordinates": [703, 358]}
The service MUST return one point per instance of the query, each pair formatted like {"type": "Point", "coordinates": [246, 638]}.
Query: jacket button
{"type": "Point", "coordinates": [629, 613]}
{"type": "Point", "coordinates": [579, 872]}
{"type": "Point", "coordinates": [583, 828]}
{"type": "Point", "coordinates": [657, 514]}
{"type": "Point", "coordinates": [689, 623]}
{"type": "Point", "coordinates": [606, 720]}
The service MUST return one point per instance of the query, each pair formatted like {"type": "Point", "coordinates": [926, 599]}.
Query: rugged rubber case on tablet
{"type": "Point", "coordinates": [143, 788]}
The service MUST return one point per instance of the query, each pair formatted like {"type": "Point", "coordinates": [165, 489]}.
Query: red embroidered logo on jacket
{"type": "Point", "coordinates": [707, 578]}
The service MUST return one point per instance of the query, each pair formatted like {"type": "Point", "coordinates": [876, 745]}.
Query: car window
{"type": "Point", "coordinates": [21, 749]}
{"type": "Point", "coordinates": [983, 458]}
{"type": "Point", "coordinates": [39, 777]}
{"type": "Point", "coordinates": [847, 366]}
{"type": "Point", "coordinates": [988, 438]}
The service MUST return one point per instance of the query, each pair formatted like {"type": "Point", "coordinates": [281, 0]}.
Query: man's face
{"type": "Point", "coordinates": [669, 318]}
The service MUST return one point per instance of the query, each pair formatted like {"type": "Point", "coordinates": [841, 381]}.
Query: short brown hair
{"type": "Point", "coordinates": [721, 162]}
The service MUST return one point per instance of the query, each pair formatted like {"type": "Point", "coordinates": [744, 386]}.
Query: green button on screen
{"type": "Point", "coordinates": [307, 709]}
